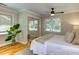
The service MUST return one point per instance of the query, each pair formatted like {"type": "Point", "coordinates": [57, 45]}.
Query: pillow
{"type": "Point", "coordinates": [69, 37]}
{"type": "Point", "coordinates": [77, 33]}
{"type": "Point", "coordinates": [76, 39]}
{"type": "Point", "coordinates": [66, 35]}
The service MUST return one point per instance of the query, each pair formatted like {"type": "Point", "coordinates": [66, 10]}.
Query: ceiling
{"type": "Point", "coordinates": [45, 8]}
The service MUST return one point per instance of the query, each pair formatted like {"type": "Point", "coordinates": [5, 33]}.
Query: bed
{"type": "Point", "coordinates": [55, 45]}
{"type": "Point", "coordinates": [58, 46]}
{"type": "Point", "coordinates": [38, 44]}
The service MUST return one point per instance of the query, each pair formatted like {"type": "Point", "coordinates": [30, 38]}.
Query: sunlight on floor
{"type": "Point", "coordinates": [11, 49]}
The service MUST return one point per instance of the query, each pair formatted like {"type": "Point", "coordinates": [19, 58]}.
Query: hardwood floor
{"type": "Point", "coordinates": [11, 49]}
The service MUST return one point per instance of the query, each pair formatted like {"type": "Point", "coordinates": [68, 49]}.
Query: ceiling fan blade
{"type": "Point", "coordinates": [53, 12]}
{"type": "Point", "coordinates": [58, 12]}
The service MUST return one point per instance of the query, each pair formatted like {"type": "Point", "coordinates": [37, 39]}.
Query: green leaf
{"type": "Point", "coordinates": [16, 26]}
{"type": "Point", "coordinates": [13, 32]}
{"type": "Point", "coordinates": [9, 38]}
{"type": "Point", "coordinates": [12, 28]}
{"type": "Point", "coordinates": [18, 31]}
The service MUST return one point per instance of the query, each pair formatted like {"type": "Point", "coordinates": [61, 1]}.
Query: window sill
{"type": "Point", "coordinates": [5, 33]}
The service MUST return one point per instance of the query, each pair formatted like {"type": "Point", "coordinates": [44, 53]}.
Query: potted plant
{"type": "Point", "coordinates": [12, 33]}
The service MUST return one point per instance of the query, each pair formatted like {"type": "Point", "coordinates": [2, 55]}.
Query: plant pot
{"type": "Point", "coordinates": [13, 41]}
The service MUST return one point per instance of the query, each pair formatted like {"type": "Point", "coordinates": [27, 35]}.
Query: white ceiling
{"type": "Point", "coordinates": [44, 8]}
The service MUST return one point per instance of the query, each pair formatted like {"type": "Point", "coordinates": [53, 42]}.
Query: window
{"type": "Point", "coordinates": [5, 23]}
{"type": "Point", "coordinates": [53, 25]}
{"type": "Point", "coordinates": [33, 25]}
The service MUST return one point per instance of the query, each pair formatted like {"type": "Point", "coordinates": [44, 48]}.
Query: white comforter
{"type": "Point", "coordinates": [57, 45]}
{"type": "Point", "coordinates": [38, 48]}
{"type": "Point", "coordinates": [54, 46]}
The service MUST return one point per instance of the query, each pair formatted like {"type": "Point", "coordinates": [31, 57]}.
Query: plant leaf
{"type": "Point", "coordinates": [13, 32]}
{"type": "Point", "coordinates": [16, 26]}
{"type": "Point", "coordinates": [9, 38]}
{"type": "Point", "coordinates": [12, 28]}
{"type": "Point", "coordinates": [18, 31]}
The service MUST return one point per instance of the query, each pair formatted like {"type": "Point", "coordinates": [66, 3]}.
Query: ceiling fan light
{"type": "Point", "coordinates": [52, 14]}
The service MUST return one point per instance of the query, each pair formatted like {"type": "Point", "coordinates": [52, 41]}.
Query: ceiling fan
{"type": "Point", "coordinates": [53, 12]}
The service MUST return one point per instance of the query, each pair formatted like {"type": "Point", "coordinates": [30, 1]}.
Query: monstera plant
{"type": "Point", "coordinates": [12, 33]}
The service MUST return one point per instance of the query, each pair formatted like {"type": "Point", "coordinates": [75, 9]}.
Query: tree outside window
{"type": "Point", "coordinates": [33, 25]}
{"type": "Point", "coordinates": [53, 25]}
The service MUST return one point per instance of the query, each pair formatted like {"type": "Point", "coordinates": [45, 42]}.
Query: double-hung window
{"type": "Point", "coordinates": [5, 23]}
{"type": "Point", "coordinates": [33, 25]}
{"type": "Point", "coordinates": [52, 24]}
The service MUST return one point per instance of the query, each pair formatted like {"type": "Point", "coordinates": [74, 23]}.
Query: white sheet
{"type": "Point", "coordinates": [54, 46]}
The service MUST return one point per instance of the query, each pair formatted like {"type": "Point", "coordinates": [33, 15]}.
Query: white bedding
{"type": "Point", "coordinates": [57, 45]}
{"type": "Point", "coordinates": [54, 46]}
{"type": "Point", "coordinates": [38, 47]}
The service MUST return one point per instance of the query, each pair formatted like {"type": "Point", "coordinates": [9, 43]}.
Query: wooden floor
{"type": "Point", "coordinates": [11, 49]}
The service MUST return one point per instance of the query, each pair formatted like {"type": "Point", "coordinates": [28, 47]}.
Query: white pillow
{"type": "Point", "coordinates": [69, 37]}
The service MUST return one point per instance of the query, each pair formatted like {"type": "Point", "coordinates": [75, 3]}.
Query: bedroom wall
{"type": "Point", "coordinates": [23, 20]}
{"type": "Point", "coordinates": [11, 12]}
{"type": "Point", "coordinates": [67, 22]}
{"type": "Point", "coordinates": [18, 17]}
{"type": "Point", "coordinates": [71, 19]}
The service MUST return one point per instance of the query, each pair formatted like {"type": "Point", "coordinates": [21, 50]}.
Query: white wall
{"type": "Point", "coordinates": [23, 20]}
{"type": "Point", "coordinates": [71, 18]}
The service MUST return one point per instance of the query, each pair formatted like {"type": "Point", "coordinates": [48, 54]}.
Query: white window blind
{"type": "Point", "coordinates": [5, 23]}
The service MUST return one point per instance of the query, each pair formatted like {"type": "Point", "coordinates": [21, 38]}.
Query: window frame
{"type": "Point", "coordinates": [51, 18]}
{"type": "Point", "coordinates": [5, 32]}
{"type": "Point", "coordinates": [31, 18]}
